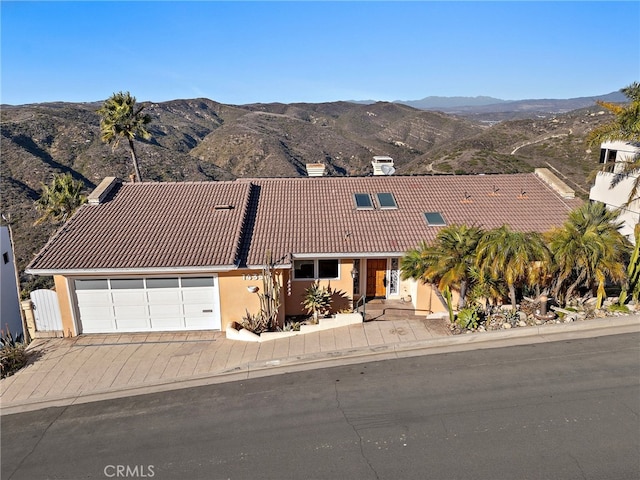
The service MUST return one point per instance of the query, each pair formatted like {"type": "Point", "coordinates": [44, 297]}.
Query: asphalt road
{"type": "Point", "coordinates": [562, 410]}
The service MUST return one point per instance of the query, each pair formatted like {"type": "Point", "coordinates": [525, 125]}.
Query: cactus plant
{"type": "Point", "coordinates": [266, 320]}
{"type": "Point", "coordinates": [446, 293]}
{"type": "Point", "coordinates": [633, 271]}
{"type": "Point", "coordinates": [270, 296]}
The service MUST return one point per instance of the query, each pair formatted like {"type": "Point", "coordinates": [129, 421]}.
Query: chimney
{"type": "Point", "coordinates": [315, 169]}
{"type": "Point", "coordinates": [555, 183]}
{"type": "Point", "coordinates": [383, 165]}
{"type": "Point", "coordinates": [101, 191]}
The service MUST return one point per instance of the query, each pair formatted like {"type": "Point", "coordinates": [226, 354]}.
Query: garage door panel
{"type": "Point", "coordinates": [93, 298]}
{"type": "Point", "coordinates": [98, 326]}
{"type": "Point", "coordinates": [129, 297]}
{"type": "Point", "coordinates": [130, 317]}
{"type": "Point", "coordinates": [198, 295]}
{"type": "Point", "coordinates": [103, 315]}
{"type": "Point", "coordinates": [165, 296]}
{"type": "Point", "coordinates": [130, 312]}
{"type": "Point", "coordinates": [165, 311]}
{"type": "Point", "coordinates": [195, 318]}
{"type": "Point", "coordinates": [201, 316]}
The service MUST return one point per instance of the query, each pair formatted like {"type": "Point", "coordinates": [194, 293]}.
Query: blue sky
{"type": "Point", "coordinates": [246, 52]}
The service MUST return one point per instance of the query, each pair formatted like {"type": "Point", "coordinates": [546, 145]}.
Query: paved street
{"type": "Point", "coordinates": [557, 410]}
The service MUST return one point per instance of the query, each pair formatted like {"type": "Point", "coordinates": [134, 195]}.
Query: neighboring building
{"type": "Point", "coordinates": [188, 256]}
{"type": "Point", "coordinates": [613, 187]}
{"type": "Point", "coordinates": [10, 310]}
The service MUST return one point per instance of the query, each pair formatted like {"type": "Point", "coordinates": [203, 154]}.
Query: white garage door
{"type": "Point", "coordinates": [148, 304]}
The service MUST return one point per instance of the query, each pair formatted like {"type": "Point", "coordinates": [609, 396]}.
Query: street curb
{"type": "Point", "coordinates": [449, 344]}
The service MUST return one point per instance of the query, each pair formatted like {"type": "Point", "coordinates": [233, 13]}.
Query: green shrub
{"type": "Point", "coordinates": [512, 317]}
{"type": "Point", "coordinates": [13, 355]}
{"type": "Point", "coordinates": [470, 317]}
{"type": "Point", "coordinates": [616, 307]}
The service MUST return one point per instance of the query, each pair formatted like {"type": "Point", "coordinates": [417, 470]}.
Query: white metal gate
{"type": "Point", "coordinates": [46, 310]}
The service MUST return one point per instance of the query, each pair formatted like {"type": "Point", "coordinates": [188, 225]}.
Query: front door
{"type": "Point", "coordinates": [376, 277]}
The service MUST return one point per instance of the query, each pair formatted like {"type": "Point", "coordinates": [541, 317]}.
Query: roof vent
{"type": "Point", "coordinates": [383, 165]}
{"type": "Point", "coordinates": [101, 191]}
{"type": "Point", "coordinates": [315, 169]}
{"type": "Point", "coordinates": [224, 206]}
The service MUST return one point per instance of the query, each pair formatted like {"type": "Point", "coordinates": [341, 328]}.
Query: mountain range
{"type": "Point", "coordinates": [483, 104]}
{"type": "Point", "coordinates": [200, 139]}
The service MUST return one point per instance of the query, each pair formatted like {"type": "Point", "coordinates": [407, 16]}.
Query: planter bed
{"type": "Point", "coordinates": [236, 332]}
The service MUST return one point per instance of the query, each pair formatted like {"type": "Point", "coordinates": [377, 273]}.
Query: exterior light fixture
{"type": "Point", "coordinates": [252, 289]}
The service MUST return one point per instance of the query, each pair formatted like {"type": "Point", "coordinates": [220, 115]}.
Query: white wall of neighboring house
{"type": "Point", "coordinates": [613, 188]}
{"type": "Point", "coordinates": [9, 301]}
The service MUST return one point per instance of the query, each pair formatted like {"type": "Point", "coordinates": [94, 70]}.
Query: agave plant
{"type": "Point", "coordinates": [317, 300]}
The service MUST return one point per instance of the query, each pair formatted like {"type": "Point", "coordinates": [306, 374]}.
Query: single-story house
{"type": "Point", "coordinates": [149, 256]}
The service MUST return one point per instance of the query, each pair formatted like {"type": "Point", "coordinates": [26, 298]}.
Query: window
{"type": "Point", "coordinates": [363, 201]}
{"type": "Point", "coordinates": [5, 257]}
{"type": "Point", "coordinates": [607, 156]}
{"type": "Point", "coordinates": [304, 269]}
{"type": "Point", "coordinates": [434, 219]}
{"type": "Point", "coordinates": [394, 277]}
{"type": "Point", "coordinates": [327, 268]}
{"type": "Point", "coordinates": [321, 269]}
{"type": "Point", "coordinates": [127, 284]}
{"type": "Point", "coordinates": [162, 283]}
{"type": "Point", "coordinates": [386, 200]}
{"type": "Point", "coordinates": [197, 282]}
{"type": "Point", "coordinates": [92, 284]}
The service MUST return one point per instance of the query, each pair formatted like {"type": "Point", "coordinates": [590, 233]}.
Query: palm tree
{"type": "Point", "coordinates": [447, 262]}
{"type": "Point", "coordinates": [520, 258]}
{"type": "Point", "coordinates": [626, 124]}
{"type": "Point", "coordinates": [122, 118]}
{"type": "Point", "coordinates": [484, 286]}
{"type": "Point", "coordinates": [60, 199]}
{"type": "Point", "coordinates": [588, 251]}
{"type": "Point", "coordinates": [624, 127]}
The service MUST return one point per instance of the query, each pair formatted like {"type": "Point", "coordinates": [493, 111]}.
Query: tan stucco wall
{"type": "Point", "coordinates": [236, 300]}
{"type": "Point", "coordinates": [62, 289]}
{"type": "Point", "coordinates": [427, 301]}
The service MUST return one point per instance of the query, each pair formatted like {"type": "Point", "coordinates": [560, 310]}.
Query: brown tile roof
{"type": "Point", "coordinates": [318, 215]}
{"type": "Point", "coordinates": [152, 225]}
{"type": "Point", "coordinates": [157, 225]}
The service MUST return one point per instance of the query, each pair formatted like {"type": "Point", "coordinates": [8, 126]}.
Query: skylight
{"type": "Point", "coordinates": [386, 200]}
{"type": "Point", "coordinates": [434, 219]}
{"type": "Point", "coordinates": [363, 200]}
